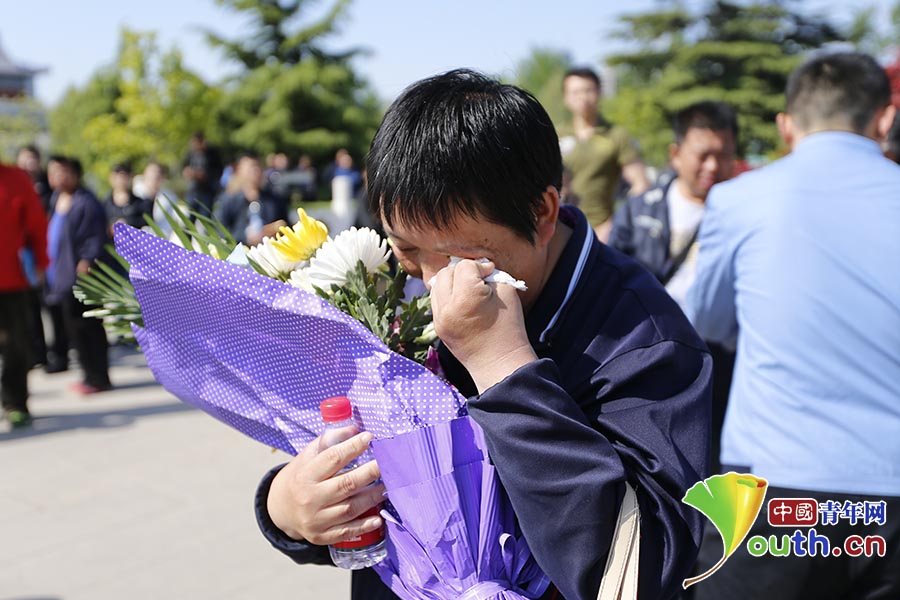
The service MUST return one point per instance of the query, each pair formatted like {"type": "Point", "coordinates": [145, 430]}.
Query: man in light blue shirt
{"type": "Point", "coordinates": [802, 259]}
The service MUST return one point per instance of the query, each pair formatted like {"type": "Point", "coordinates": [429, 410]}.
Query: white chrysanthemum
{"type": "Point", "coordinates": [300, 279]}
{"type": "Point", "coordinates": [196, 246]}
{"type": "Point", "coordinates": [428, 334]}
{"type": "Point", "coordinates": [338, 256]}
{"type": "Point", "coordinates": [271, 260]}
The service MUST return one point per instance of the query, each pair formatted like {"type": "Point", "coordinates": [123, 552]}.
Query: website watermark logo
{"type": "Point", "coordinates": [731, 502]}
{"type": "Point", "coordinates": [809, 512]}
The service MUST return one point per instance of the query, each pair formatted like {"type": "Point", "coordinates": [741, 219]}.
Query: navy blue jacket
{"type": "Point", "coordinates": [621, 391]}
{"type": "Point", "coordinates": [641, 230]}
{"type": "Point", "coordinates": [83, 238]}
{"type": "Point", "coordinates": [233, 211]}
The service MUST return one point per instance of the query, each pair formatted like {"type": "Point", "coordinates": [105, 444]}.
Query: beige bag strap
{"type": "Point", "coordinates": [620, 577]}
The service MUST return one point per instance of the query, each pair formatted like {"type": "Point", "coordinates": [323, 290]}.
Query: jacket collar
{"type": "Point", "coordinates": [544, 318]}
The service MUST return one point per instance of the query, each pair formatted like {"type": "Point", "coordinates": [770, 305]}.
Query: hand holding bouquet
{"type": "Point", "coordinates": [256, 349]}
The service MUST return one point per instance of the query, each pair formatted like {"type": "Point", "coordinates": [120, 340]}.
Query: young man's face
{"type": "Point", "coordinates": [704, 158]}
{"type": "Point", "coordinates": [424, 252]}
{"type": "Point", "coordinates": [580, 95]}
{"type": "Point", "coordinates": [54, 174]}
{"type": "Point", "coordinates": [153, 177]}
{"type": "Point", "coordinates": [249, 170]}
{"type": "Point", "coordinates": [28, 161]}
{"type": "Point", "coordinates": [120, 181]}
{"type": "Point", "coordinates": [61, 177]}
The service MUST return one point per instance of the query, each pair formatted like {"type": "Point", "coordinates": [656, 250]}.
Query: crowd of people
{"type": "Point", "coordinates": [76, 226]}
{"type": "Point", "coordinates": [704, 323]}
{"type": "Point", "coordinates": [595, 378]}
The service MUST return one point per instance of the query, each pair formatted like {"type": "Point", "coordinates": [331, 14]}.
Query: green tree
{"type": "Point", "coordinates": [541, 73]}
{"type": "Point", "coordinates": [737, 52]}
{"type": "Point", "coordinates": [274, 40]}
{"type": "Point", "coordinates": [146, 106]}
{"type": "Point", "coordinates": [873, 34]}
{"type": "Point", "coordinates": [22, 121]}
{"type": "Point", "coordinates": [77, 107]}
{"type": "Point", "coordinates": [292, 95]}
{"type": "Point", "coordinates": [309, 107]}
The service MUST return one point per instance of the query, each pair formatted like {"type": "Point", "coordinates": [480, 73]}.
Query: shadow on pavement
{"type": "Point", "coordinates": [133, 385]}
{"type": "Point", "coordinates": [44, 424]}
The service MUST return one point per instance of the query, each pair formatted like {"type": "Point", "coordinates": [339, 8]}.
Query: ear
{"type": "Point", "coordinates": [884, 122]}
{"type": "Point", "coordinates": [673, 152]}
{"type": "Point", "coordinates": [785, 125]}
{"type": "Point", "coordinates": [546, 215]}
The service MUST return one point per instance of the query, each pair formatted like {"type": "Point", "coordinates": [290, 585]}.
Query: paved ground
{"type": "Point", "coordinates": [131, 494]}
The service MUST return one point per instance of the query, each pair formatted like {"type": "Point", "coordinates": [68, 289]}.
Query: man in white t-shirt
{"type": "Point", "coordinates": [659, 228]}
{"type": "Point", "coordinates": [685, 214]}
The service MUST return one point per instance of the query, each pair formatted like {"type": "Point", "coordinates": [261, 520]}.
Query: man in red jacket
{"type": "Point", "coordinates": [23, 255]}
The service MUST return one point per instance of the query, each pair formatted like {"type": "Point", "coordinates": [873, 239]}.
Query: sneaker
{"type": "Point", "coordinates": [55, 367]}
{"type": "Point", "coordinates": [18, 419]}
{"type": "Point", "coordinates": [84, 389]}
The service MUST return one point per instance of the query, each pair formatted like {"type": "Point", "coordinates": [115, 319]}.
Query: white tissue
{"type": "Point", "coordinates": [496, 277]}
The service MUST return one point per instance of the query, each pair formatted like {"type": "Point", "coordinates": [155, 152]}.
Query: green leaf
{"type": "Point", "coordinates": [113, 294]}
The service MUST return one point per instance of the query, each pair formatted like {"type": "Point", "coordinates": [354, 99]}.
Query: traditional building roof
{"type": "Point", "coordinates": [16, 79]}
{"type": "Point", "coordinates": [8, 67]}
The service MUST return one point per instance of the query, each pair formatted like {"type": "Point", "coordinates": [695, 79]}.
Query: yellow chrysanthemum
{"type": "Point", "coordinates": [299, 242]}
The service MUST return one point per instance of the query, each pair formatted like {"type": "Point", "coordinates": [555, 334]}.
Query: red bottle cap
{"type": "Point", "coordinates": [336, 409]}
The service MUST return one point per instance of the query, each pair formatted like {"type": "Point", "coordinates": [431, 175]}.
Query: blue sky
{"type": "Point", "coordinates": [407, 39]}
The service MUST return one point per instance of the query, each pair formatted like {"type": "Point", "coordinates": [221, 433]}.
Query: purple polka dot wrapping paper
{"type": "Point", "coordinates": [260, 355]}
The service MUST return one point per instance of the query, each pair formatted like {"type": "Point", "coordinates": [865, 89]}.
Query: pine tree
{"type": "Point", "coordinates": [272, 38]}
{"type": "Point", "coordinates": [292, 95]}
{"type": "Point", "coordinates": [541, 73]}
{"type": "Point", "coordinates": [738, 52]}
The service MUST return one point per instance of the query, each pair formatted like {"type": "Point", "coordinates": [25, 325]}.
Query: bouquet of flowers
{"type": "Point", "coordinates": [260, 339]}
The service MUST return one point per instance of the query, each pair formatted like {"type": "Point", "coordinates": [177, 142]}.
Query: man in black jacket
{"type": "Point", "coordinates": [659, 228]}
{"type": "Point", "coordinates": [76, 236]}
{"type": "Point", "coordinates": [202, 169]}
{"type": "Point", "coordinates": [123, 205]}
{"type": "Point", "coordinates": [590, 378]}
{"type": "Point", "coordinates": [250, 211]}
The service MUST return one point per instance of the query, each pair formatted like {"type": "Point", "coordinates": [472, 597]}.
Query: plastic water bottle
{"type": "Point", "coordinates": [367, 549]}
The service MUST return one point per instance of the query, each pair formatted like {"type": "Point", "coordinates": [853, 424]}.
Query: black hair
{"type": "Point", "coordinates": [584, 73]}
{"type": "Point", "coordinates": [846, 88]}
{"type": "Point", "coordinates": [459, 144]}
{"type": "Point", "coordinates": [122, 167]}
{"type": "Point", "coordinates": [68, 162]}
{"type": "Point", "coordinates": [31, 149]}
{"type": "Point", "coordinates": [707, 114]}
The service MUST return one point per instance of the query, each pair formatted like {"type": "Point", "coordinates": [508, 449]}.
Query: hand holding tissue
{"type": "Point", "coordinates": [496, 277]}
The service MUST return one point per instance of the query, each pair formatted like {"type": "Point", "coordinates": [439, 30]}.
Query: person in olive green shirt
{"type": "Point", "coordinates": [596, 152]}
